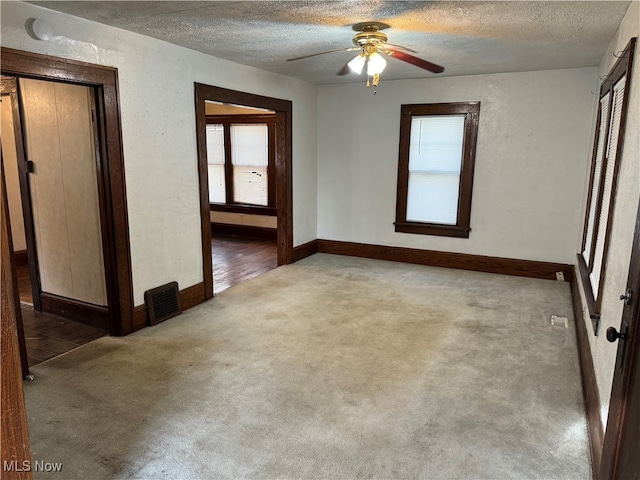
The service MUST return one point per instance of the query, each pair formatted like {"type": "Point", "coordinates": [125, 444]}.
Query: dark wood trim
{"type": "Point", "coordinates": [13, 288]}
{"type": "Point", "coordinates": [10, 86]}
{"type": "Point", "coordinates": [471, 110]}
{"type": "Point", "coordinates": [589, 383]}
{"type": "Point", "coordinates": [189, 297]}
{"type": "Point", "coordinates": [248, 231]}
{"type": "Point", "coordinates": [104, 80]}
{"type": "Point", "coordinates": [21, 258]}
{"type": "Point", "coordinates": [248, 118]}
{"type": "Point", "coordinates": [432, 229]}
{"type": "Point", "coordinates": [75, 310]}
{"type": "Point", "coordinates": [14, 438]}
{"type": "Point", "coordinates": [583, 274]}
{"type": "Point", "coordinates": [245, 209]}
{"type": "Point", "coordinates": [462, 261]}
{"type": "Point", "coordinates": [305, 250]}
{"type": "Point", "coordinates": [283, 166]}
{"type": "Point", "coordinates": [228, 166]}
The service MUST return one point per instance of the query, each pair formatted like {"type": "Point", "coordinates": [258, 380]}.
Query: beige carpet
{"type": "Point", "coordinates": [334, 367]}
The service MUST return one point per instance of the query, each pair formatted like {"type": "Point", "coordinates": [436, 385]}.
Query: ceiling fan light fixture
{"type": "Point", "coordinates": [376, 64]}
{"type": "Point", "coordinates": [356, 65]}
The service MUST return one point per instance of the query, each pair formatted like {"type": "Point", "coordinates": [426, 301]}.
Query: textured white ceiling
{"type": "Point", "coordinates": [468, 37]}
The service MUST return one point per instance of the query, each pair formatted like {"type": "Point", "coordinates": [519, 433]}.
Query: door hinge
{"type": "Point", "coordinates": [31, 166]}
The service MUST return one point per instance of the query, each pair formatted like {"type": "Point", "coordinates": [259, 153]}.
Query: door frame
{"type": "Point", "coordinates": [283, 163]}
{"type": "Point", "coordinates": [622, 436]}
{"type": "Point", "coordinates": [110, 167]}
{"type": "Point", "coordinates": [9, 87]}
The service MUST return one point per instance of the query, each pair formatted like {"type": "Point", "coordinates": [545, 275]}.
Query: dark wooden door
{"type": "Point", "coordinates": [621, 452]}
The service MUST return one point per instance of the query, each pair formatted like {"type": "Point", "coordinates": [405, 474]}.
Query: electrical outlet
{"type": "Point", "coordinates": [560, 276]}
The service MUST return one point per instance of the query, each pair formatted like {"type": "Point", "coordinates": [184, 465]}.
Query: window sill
{"type": "Point", "coordinates": [432, 229]}
{"type": "Point", "coordinates": [246, 209]}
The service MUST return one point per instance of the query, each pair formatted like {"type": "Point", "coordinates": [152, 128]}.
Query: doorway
{"type": "Point", "coordinates": [99, 85]}
{"type": "Point", "coordinates": [53, 203]}
{"type": "Point", "coordinates": [280, 204]}
{"type": "Point", "coordinates": [242, 192]}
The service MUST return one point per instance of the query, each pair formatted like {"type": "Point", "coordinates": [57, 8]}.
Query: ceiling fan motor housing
{"type": "Point", "coordinates": [369, 36]}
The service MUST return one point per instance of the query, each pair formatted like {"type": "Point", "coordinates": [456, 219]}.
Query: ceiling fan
{"type": "Point", "coordinates": [373, 46]}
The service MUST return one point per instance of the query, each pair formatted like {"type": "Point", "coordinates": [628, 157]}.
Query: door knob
{"type": "Point", "coordinates": [613, 334]}
{"type": "Point", "coordinates": [626, 296]}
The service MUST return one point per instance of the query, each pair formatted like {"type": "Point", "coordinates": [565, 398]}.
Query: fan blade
{"type": "Point", "coordinates": [344, 70]}
{"type": "Point", "coordinates": [418, 62]}
{"type": "Point", "coordinates": [324, 53]}
{"type": "Point", "coordinates": [393, 47]}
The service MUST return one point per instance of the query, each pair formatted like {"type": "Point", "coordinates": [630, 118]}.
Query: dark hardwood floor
{"type": "Point", "coordinates": [48, 336]}
{"type": "Point", "coordinates": [24, 285]}
{"type": "Point", "coordinates": [237, 259]}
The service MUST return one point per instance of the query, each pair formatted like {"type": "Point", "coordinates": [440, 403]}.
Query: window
{"type": "Point", "coordinates": [435, 168]}
{"type": "Point", "coordinates": [607, 150]}
{"type": "Point", "coordinates": [240, 157]}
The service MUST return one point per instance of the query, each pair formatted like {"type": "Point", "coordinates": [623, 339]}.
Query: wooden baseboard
{"type": "Point", "coordinates": [305, 250]}
{"type": "Point", "coordinates": [462, 261]}
{"type": "Point", "coordinates": [243, 231]}
{"type": "Point", "coordinates": [75, 310]}
{"type": "Point", "coordinates": [589, 383]}
{"type": "Point", "coordinates": [20, 258]}
{"type": "Point", "coordinates": [189, 297]}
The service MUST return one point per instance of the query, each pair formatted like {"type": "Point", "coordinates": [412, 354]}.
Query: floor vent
{"type": "Point", "coordinates": [162, 302]}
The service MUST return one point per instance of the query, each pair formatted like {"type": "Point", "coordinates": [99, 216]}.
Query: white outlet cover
{"type": "Point", "coordinates": [557, 321]}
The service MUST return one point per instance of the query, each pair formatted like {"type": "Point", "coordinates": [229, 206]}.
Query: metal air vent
{"type": "Point", "coordinates": [162, 302]}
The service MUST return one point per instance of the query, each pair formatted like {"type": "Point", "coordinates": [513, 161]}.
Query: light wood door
{"type": "Point", "coordinates": [60, 141]}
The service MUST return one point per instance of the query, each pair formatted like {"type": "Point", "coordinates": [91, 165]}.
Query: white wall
{"type": "Point", "coordinates": [533, 144]}
{"type": "Point", "coordinates": [159, 139]}
{"type": "Point", "coordinates": [626, 206]}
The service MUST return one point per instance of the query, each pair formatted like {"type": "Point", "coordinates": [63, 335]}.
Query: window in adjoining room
{"type": "Point", "coordinates": [240, 155]}
{"type": "Point", "coordinates": [435, 168]}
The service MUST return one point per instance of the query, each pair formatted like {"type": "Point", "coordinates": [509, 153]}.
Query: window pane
{"type": "Point", "coordinates": [433, 198]}
{"type": "Point", "coordinates": [436, 143]}
{"type": "Point", "coordinates": [435, 160]}
{"type": "Point", "coordinates": [250, 158]}
{"type": "Point", "coordinates": [614, 132]}
{"type": "Point", "coordinates": [215, 159]}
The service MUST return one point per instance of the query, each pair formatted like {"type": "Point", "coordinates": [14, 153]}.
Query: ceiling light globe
{"type": "Point", "coordinates": [357, 64]}
{"type": "Point", "coordinates": [376, 64]}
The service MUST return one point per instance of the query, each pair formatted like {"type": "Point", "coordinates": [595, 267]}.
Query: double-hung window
{"type": "Point", "coordinates": [607, 150]}
{"type": "Point", "coordinates": [435, 168]}
{"type": "Point", "coordinates": [240, 157]}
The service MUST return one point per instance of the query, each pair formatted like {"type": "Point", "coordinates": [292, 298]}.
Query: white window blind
{"type": "Point", "coordinates": [250, 158]}
{"type": "Point", "coordinates": [215, 159]}
{"type": "Point", "coordinates": [597, 175]}
{"type": "Point", "coordinates": [612, 148]}
{"type": "Point", "coordinates": [435, 160]}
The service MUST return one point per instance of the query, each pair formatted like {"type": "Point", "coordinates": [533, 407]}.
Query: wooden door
{"type": "Point", "coordinates": [60, 146]}
{"type": "Point", "coordinates": [621, 452]}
